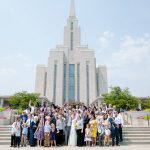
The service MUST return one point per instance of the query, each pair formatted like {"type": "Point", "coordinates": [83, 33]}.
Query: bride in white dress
{"type": "Point", "coordinates": [73, 135]}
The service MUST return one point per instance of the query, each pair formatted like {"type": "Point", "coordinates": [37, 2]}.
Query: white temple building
{"type": "Point", "coordinates": [71, 74]}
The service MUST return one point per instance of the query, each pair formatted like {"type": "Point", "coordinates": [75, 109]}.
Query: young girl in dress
{"type": "Point", "coordinates": [87, 135]}
{"type": "Point", "coordinates": [107, 133]}
{"type": "Point", "coordinates": [47, 129]}
{"type": "Point", "coordinates": [39, 133]}
{"type": "Point", "coordinates": [53, 135]}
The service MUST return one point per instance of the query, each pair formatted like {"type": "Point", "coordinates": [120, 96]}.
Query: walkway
{"type": "Point", "coordinates": [129, 147]}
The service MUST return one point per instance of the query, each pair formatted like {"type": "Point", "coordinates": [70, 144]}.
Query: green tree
{"type": "Point", "coordinates": [145, 104]}
{"type": "Point", "coordinates": [21, 100]}
{"type": "Point", "coordinates": [121, 98]}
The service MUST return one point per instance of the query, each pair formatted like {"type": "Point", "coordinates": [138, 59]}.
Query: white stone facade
{"type": "Point", "coordinates": [71, 74]}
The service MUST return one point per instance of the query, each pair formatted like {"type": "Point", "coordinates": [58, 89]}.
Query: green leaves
{"type": "Point", "coordinates": [145, 103]}
{"type": "Point", "coordinates": [121, 98]}
{"type": "Point", "coordinates": [2, 109]}
{"type": "Point", "coordinates": [21, 100]}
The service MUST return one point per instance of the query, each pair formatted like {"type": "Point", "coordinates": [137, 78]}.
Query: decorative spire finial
{"type": "Point", "coordinates": [72, 9]}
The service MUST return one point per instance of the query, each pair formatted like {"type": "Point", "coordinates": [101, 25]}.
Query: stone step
{"type": "Point", "coordinates": [136, 138]}
{"type": "Point", "coordinates": [5, 142]}
{"type": "Point", "coordinates": [5, 129]}
{"type": "Point", "coordinates": [136, 129]}
{"type": "Point", "coordinates": [131, 131]}
{"type": "Point", "coordinates": [4, 135]}
{"type": "Point", "coordinates": [136, 142]}
{"type": "Point", "coordinates": [5, 138]}
{"type": "Point", "coordinates": [5, 132]}
{"type": "Point", "coordinates": [136, 135]}
{"type": "Point", "coordinates": [5, 126]}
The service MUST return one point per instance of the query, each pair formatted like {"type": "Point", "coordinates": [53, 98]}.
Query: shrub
{"type": "Point", "coordinates": [18, 111]}
{"type": "Point", "coordinates": [2, 109]}
{"type": "Point", "coordinates": [147, 110]}
{"type": "Point", "coordinates": [21, 100]}
{"type": "Point", "coordinates": [147, 117]}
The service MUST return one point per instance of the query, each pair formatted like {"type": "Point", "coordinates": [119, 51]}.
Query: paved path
{"type": "Point", "coordinates": [127, 147]}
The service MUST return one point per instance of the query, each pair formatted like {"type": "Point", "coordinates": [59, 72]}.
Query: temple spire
{"type": "Point", "coordinates": [72, 9]}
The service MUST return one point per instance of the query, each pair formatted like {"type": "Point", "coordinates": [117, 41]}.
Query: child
{"type": "Point", "coordinates": [13, 137]}
{"type": "Point", "coordinates": [101, 134]}
{"type": "Point", "coordinates": [39, 133]}
{"type": "Point", "coordinates": [107, 133]}
{"type": "Point", "coordinates": [53, 135]}
{"type": "Point", "coordinates": [17, 133]}
{"type": "Point", "coordinates": [47, 129]}
{"type": "Point", "coordinates": [87, 135]}
{"type": "Point", "coordinates": [24, 134]}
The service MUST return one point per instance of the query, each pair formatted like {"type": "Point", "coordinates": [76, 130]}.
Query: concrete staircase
{"type": "Point", "coordinates": [136, 135]}
{"type": "Point", "coordinates": [5, 135]}
{"type": "Point", "coordinates": [131, 135]}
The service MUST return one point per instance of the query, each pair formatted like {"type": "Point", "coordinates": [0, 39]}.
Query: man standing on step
{"type": "Point", "coordinates": [120, 122]}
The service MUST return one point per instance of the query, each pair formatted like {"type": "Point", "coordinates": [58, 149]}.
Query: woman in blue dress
{"type": "Point", "coordinates": [53, 135]}
{"type": "Point", "coordinates": [33, 127]}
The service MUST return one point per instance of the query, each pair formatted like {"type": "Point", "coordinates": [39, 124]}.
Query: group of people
{"type": "Point", "coordinates": [57, 126]}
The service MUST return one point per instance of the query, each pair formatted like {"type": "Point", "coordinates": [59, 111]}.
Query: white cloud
{"type": "Point", "coordinates": [17, 60]}
{"type": "Point", "coordinates": [105, 38]}
{"type": "Point", "coordinates": [133, 51]}
{"type": "Point", "coordinates": [128, 63]}
{"type": "Point", "coordinates": [15, 72]}
{"type": "Point", "coordinates": [14, 58]}
{"type": "Point", "coordinates": [7, 71]}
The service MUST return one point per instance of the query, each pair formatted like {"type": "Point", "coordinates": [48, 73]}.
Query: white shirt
{"type": "Point", "coordinates": [119, 120]}
{"type": "Point", "coordinates": [47, 128]}
{"type": "Point", "coordinates": [79, 124]}
{"type": "Point", "coordinates": [32, 107]}
{"type": "Point", "coordinates": [60, 124]}
{"type": "Point", "coordinates": [27, 111]}
{"type": "Point", "coordinates": [28, 121]}
{"type": "Point", "coordinates": [107, 132]}
{"type": "Point", "coordinates": [13, 129]}
{"type": "Point", "coordinates": [87, 131]}
{"type": "Point", "coordinates": [18, 131]}
{"type": "Point", "coordinates": [69, 121]}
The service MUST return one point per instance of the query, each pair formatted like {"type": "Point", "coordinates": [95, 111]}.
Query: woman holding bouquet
{"type": "Point", "coordinates": [73, 136]}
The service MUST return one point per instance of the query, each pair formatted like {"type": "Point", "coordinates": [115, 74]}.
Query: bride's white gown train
{"type": "Point", "coordinates": [73, 136]}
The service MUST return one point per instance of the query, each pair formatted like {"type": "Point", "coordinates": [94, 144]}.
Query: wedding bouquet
{"type": "Point", "coordinates": [75, 125]}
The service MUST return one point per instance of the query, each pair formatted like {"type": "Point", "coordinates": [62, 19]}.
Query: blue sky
{"type": "Point", "coordinates": [117, 30]}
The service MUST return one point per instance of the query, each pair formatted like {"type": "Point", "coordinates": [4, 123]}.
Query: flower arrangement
{"type": "Point", "coordinates": [75, 125]}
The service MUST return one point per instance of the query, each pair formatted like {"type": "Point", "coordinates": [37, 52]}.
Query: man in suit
{"type": "Point", "coordinates": [67, 126]}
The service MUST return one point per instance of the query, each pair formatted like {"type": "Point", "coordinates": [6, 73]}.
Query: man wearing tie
{"type": "Point", "coordinates": [79, 131]}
